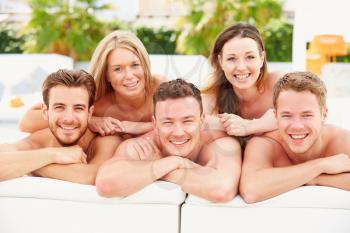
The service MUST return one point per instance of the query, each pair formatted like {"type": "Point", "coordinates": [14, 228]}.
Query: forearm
{"type": "Point", "coordinates": [137, 128]}
{"type": "Point", "coordinates": [19, 163]}
{"type": "Point", "coordinates": [32, 121]}
{"type": "Point", "coordinates": [270, 182]}
{"type": "Point", "coordinates": [124, 177]}
{"type": "Point", "coordinates": [77, 173]}
{"type": "Point", "coordinates": [206, 182]}
{"type": "Point", "coordinates": [266, 123]}
{"type": "Point", "coordinates": [213, 123]}
{"type": "Point", "coordinates": [341, 181]}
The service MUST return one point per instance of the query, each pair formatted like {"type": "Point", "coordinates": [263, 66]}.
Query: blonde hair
{"type": "Point", "coordinates": [98, 64]}
{"type": "Point", "coordinates": [299, 82]}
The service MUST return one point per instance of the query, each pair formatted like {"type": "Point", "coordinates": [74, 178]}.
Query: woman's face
{"type": "Point", "coordinates": [125, 73]}
{"type": "Point", "coordinates": [241, 62]}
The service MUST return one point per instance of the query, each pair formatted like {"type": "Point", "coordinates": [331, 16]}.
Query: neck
{"type": "Point", "coordinates": [247, 95]}
{"type": "Point", "coordinates": [134, 101]}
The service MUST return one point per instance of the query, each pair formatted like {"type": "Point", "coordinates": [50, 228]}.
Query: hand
{"type": "Point", "coordinates": [105, 125]}
{"type": "Point", "coordinates": [68, 155]}
{"type": "Point", "coordinates": [235, 125]}
{"type": "Point", "coordinates": [336, 164]}
{"type": "Point", "coordinates": [146, 149]}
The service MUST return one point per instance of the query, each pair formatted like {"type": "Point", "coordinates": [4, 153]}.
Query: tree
{"type": "Point", "coordinates": [65, 27]}
{"type": "Point", "coordinates": [207, 18]}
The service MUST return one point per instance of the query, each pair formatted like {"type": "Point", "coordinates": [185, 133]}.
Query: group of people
{"type": "Point", "coordinates": [119, 127]}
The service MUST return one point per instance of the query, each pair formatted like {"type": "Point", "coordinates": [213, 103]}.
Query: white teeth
{"type": "Point", "coordinates": [67, 128]}
{"type": "Point", "coordinates": [298, 136]}
{"type": "Point", "coordinates": [178, 142]}
{"type": "Point", "coordinates": [241, 76]}
{"type": "Point", "coordinates": [131, 84]}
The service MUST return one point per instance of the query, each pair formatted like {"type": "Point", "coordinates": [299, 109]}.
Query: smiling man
{"type": "Point", "coordinates": [205, 163]}
{"type": "Point", "coordinates": [66, 150]}
{"type": "Point", "coordinates": [303, 151]}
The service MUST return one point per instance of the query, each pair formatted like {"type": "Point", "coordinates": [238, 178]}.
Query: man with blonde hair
{"type": "Point", "coordinates": [66, 150]}
{"type": "Point", "coordinates": [303, 151]}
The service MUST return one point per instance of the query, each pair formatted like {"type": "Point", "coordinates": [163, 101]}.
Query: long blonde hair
{"type": "Point", "coordinates": [98, 64]}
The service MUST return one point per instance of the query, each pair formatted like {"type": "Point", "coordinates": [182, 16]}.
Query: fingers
{"type": "Point", "coordinates": [84, 158]}
{"type": "Point", "coordinates": [117, 124]}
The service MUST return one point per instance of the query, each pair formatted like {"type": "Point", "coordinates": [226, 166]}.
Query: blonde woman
{"type": "Point", "coordinates": [120, 66]}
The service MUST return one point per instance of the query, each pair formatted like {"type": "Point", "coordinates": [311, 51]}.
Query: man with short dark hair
{"type": "Point", "coordinates": [204, 163]}
{"type": "Point", "coordinates": [303, 151]}
{"type": "Point", "coordinates": [66, 150]}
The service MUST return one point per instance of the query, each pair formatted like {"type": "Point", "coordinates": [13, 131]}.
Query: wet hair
{"type": "Point", "coordinates": [99, 64]}
{"type": "Point", "coordinates": [226, 99]}
{"type": "Point", "coordinates": [69, 78]}
{"type": "Point", "coordinates": [175, 89]}
{"type": "Point", "coordinates": [300, 82]}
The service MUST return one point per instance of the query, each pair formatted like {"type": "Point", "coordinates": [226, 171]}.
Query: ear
{"type": "Point", "coordinates": [202, 121]}
{"type": "Point", "coordinates": [44, 111]}
{"type": "Point", "coordinates": [91, 111]}
{"type": "Point", "coordinates": [324, 113]}
{"type": "Point", "coordinates": [262, 57]}
{"type": "Point", "coordinates": [154, 124]}
{"type": "Point", "coordinates": [220, 60]}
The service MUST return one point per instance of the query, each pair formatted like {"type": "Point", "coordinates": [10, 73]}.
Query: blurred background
{"type": "Point", "coordinates": [39, 36]}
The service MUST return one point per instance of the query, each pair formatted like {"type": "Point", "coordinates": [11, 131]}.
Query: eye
{"type": "Point", "coordinates": [79, 108]}
{"type": "Point", "coordinates": [231, 59]}
{"type": "Point", "coordinates": [188, 121]}
{"type": "Point", "coordinates": [167, 123]}
{"type": "Point", "coordinates": [286, 116]}
{"type": "Point", "coordinates": [117, 69]}
{"type": "Point", "coordinates": [307, 115]}
{"type": "Point", "coordinates": [135, 64]}
{"type": "Point", "coordinates": [250, 57]}
{"type": "Point", "coordinates": [58, 107]}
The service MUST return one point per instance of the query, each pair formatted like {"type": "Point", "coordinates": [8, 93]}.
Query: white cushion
{"type": "Point", "coordinates": [159, 192]}
{"type": "Point", "coordinates": [305, 197]}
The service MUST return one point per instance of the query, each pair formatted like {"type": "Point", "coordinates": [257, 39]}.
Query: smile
{"type": "Point", "coordinates": [298, 136]}
{"type": "Point", "coordinates": [241, 77]}
{"type": "Point", "coordinates": [179, 143]}
{"type": "Point", "coordinates": [131, 85]}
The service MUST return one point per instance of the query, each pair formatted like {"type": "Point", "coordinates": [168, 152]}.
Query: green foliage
{"type": "Point", "coordinates": [158, 41]}
{"type": "Point", "coordinates": [57, 26]}
{"type": "Point", "coordinates": [278, 37]}
{"type": "Point", "coordinates": [208, 18]}
{"type": "Point", "coordinates": [10, 40]}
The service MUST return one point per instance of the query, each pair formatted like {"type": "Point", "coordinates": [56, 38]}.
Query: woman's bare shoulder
{"type": "Point", "coordinates": [274, 76]}
{"type": "Point", "coordinates": [209, 103]}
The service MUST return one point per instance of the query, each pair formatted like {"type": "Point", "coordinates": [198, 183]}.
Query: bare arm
{"type": "Point", "coordinates": [218, 177]}
{"type": "Point", "coordinates": [237, 126]}
{"type": "Point", "coordinates": [261, 180]}
{"type": "Point", "coordinates": [135, 165]}
{"type": "Point", "coordinates": [20, 159]}
{"type": "Point", "coordinates": [341, 181]}
{"type": "Point", "coordinates": [83, 173]}
{"type": "Point", "coordinates": [32, 120]}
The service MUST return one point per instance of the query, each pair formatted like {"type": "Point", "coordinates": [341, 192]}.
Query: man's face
{"type": "Point", "coordinates": [68, 113]}
{"type": "Point", "coordinates": [300, 119]}
{"type": "Point", "coordinates": [178, 124]}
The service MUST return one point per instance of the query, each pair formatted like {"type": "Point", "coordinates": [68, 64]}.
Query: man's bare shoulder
{"type": "Point", "coordinates": [336, 139]}
{"type": "Point", "coordinates": [40, 138]}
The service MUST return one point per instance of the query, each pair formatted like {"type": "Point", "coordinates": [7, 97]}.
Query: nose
{"type": "Point", "coordinates": [240, 64]}
{"type": "Point", "coordinates": [68, 115]}
{"type": "Point", "coordinates": [128, 73]}
{"type": "Point", "coordinates": [297, 123]}
{"type": "Point", "coordinates": [178, 130]}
